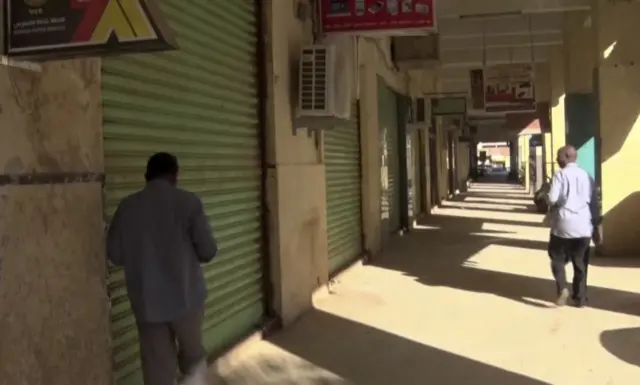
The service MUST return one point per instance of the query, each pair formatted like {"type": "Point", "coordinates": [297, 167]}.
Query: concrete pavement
{"type": "Point", "coordinates": [465, 299]}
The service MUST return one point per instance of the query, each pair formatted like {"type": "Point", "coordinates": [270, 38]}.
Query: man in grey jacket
{"type": "Point", "coordinates": [161, 235]}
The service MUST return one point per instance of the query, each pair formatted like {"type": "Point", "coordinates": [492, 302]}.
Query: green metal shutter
{"type": "Point", "coordinates": [388, 110]}
{"type": "Point", "coordinates": [200, 103]}
{"type": "Point", "coordinates": [344, 192]}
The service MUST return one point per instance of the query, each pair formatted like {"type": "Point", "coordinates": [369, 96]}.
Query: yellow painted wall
{"type": "Point", "coordinates": [618, 74]}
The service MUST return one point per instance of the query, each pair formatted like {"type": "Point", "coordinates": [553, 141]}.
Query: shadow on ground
{"type": "Point", "coordinates": [437, 253]}
{"type": "Point", "coordinates": [345, 352]}
{"type": "Point", "coordinates": [323, 348]}
{"type": "Point", "coordinates": [623, 343]}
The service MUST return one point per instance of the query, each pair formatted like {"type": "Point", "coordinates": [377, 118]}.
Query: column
{"type": "Point", "coordinates": [617, 80]}
{"type": "Point", "coordinates": [549, 155]}
{"type": "Point", "coordinates": [580, 101]}
{"type": "Point", "coordinates": [513, 157]}
{"type": "Point", "coordinates": [54, 309]}
{"type": "Point", "coordinates": [558, 95]}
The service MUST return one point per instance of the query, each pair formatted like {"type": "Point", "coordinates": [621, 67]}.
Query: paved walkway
{"type": "Point", "coordinates": [465, 299]}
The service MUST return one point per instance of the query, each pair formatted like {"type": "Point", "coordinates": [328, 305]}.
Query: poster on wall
{"type": "Point", "coordinates": [362, 17]}
{"type": "Point", "coordinates": [55, 29]}
{"type": "Point", "coordinates": [509, 88]}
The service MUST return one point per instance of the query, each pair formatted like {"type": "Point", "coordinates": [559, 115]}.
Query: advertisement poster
{"type": "Point", "coordinates": [509, 87]}
{"type": "Point", "coordinates": [59, 28]}
{"type": "Point", "coordinates": [367, 16]}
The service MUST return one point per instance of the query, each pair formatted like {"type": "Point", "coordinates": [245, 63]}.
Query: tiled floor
{"type": "Point", "coordinates": [465, 299]}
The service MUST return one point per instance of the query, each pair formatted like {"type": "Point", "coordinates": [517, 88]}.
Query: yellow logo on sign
{"type": "Point", "coordinates": [126, 19]}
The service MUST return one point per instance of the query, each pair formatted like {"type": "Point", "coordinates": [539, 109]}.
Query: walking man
{"type": "Point", "coordinates": [570, 201]}
{"type": "Point", "coordinates": [161, 235]}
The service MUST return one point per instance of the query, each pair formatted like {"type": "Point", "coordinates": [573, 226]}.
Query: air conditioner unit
{"type": "Point", "coordinates": [416, 52]}
{"type": "Point", "coordinates": [325, 90]}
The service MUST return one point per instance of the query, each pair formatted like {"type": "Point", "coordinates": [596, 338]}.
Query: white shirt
{"type": "Point", "coordinates": [571, 193]}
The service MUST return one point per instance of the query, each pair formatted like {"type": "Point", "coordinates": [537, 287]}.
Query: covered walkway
{"type": "Point", "coordinates": [465, 299]}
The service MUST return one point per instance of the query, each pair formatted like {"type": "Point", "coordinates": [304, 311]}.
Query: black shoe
{"type": "Point", "coordinates": [562, 297]}
{"type": "Point", "coordinates": [579, 303]}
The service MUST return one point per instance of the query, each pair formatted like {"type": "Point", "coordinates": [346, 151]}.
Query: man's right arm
{"type": "Point", "coordinates": [202, 235]}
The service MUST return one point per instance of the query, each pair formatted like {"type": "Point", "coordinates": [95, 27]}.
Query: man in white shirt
{"type": "Point", "coordinates": [571, 204]}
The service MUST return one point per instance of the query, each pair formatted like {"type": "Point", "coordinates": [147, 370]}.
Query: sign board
{"type": "Point", "coordinates": [508, 88]}
{"type": "Point", "coordinates": [360, 17]}
{"type": "Point", "coordinates": [448, 106]}
{"type": "Point", "coordinates": [476, 80]}
{"type": "Point", "coordinates": [55, 29]}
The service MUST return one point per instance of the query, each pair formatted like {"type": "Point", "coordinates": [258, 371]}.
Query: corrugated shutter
{"type": "Point", "coordinates": [388, 107]}
{"type": "Point", "coordinates": [200, 103]}
{"type": "Point", "coordinates": [390, 166]}
{"type": "Point", "coordinates": [394, 175]}
{"type": "Point", "coordinates": [344, 203]}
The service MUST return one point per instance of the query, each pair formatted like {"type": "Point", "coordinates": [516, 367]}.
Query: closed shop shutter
{"type": "Point", "coordinates": [200, 103]}
{"type": "Point", "coordinates": [388, 109]}
{"type": "Point", "coordinates": [344, 203]}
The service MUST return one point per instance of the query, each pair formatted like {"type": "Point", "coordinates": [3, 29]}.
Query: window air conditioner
{"type": "Point", "coordinates": [325, 86]}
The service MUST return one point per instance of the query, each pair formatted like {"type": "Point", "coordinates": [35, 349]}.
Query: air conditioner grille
{"type": "Point", "coordinates": [314, 79]}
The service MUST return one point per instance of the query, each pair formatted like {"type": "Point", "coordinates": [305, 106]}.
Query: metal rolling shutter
{"type": "Point", "coordinates": [200, 103]}
{"type": "Point", "coordinates": [344, 192]}
{"type": "Point", "coordinates": [389, 117]}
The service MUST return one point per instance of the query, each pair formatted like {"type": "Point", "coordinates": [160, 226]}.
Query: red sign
{"type": "Point", "coordinates": [362, 16]}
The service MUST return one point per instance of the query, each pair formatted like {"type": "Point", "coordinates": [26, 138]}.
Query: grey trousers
{"type": "Point", "coordinates": [167, 347]}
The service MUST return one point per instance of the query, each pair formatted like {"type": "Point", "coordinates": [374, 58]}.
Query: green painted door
{"type": "Point", "coordinates": [388, 118]}
{"type": "Point", "coordinates": [200, 103]}
{"type": "Point", "coordinates": [344, 197]}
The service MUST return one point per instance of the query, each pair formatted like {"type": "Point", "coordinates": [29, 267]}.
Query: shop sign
{"type": "Point", "coordinates": [509, 88]}
{"type": "Point", "coordinates": [447, 106]}
{"type": "Point", "coordinates": [476, 78]}
{"type": "Point", "coordinates": [362, 17]}
{"type": "Point", "coordinates": [55, 29]}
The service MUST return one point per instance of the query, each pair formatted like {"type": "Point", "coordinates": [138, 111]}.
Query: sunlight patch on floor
{"type": "Point", "coordinates": [486, 214]}
{"type": "Point", "coordinates": [511, 260]}
{"type": "Point", "coordinates": [498, 200]}
{"type": "Point", "coordinates": [485, 206]}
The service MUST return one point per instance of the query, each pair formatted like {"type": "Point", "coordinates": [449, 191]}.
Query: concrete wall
{"type": "Point", "coordinates": [54, 317]}
{"type": "Point", "coordinates": [618, 77]}
{"type": "Point", "coordinates": [296, 174]}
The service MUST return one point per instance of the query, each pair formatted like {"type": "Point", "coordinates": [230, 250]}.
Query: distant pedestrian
{"type": "Point", "coordinates": [161, 235]}
{"type": "Point", "coordinates": [571, 204]}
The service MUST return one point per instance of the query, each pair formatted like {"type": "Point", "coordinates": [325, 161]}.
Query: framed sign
{"type": "Point", "coordinates": [449, 106]}
{"type": "Point", "coordinates": [509, 88]}
{"type": "Point", "coordinates": [55, 29]}
{"type": "Point", "coordinates": [384, 16]}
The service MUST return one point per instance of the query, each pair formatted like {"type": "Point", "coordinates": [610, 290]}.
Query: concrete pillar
{"type": "Point", "coordinates": [513, 158]}
{"type": "Point", "coordinates": [526, 153]}
{"type": "Point", "coordinates": [54, 309]}
{"type": "Point", "coordinates": [558, 95]}
{"type": "Point", "coordinates": [549, 154]}
{"type": "Point", "coordinates": [370, 149]}
{"type": "Point", "coordinates": [296, 193]}
{"type": "Point", "coordinates": [580, 101]}
{"type": "Point", "coordinates": [617, 79]}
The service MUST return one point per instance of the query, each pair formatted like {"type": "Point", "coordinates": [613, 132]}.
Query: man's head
{"type": "Point", "coordinates": [566, 155]}
{"type": "Point", "coordinates": [162, 166]}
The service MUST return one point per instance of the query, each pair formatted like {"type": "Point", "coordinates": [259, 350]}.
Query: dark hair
{"type": "Point", "coordinates": [161, 165]}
